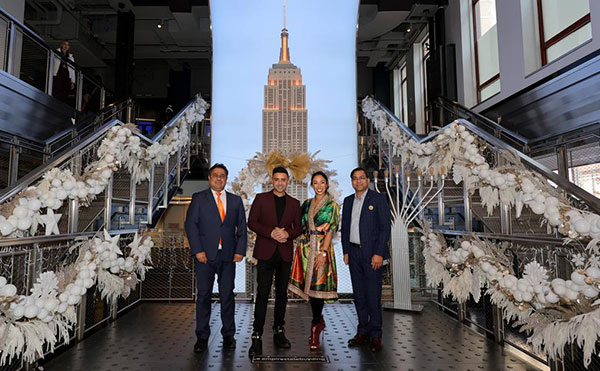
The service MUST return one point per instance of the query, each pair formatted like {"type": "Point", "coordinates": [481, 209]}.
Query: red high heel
{"type": "Point", "coordinates": [315, 333]}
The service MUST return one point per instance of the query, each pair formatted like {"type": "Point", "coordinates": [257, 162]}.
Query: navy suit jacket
{"type": "Point", "coordinates": [204, 228]}
{"type": "Point", "coordinates": [374, 226]}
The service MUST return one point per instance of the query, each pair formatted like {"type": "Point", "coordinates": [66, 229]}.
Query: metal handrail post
{"type": "Point", "coordinates": [13, 161]}
{"type": "Point", "coordinates": [165, 202]}
{"type": "Point", "coordinates": [102, 99]}
{"type": "Point", "coordinates": [50, 73]}
{"type": "Point", "coordinates": [10, 53]}
{"type": "Point", "coordinates": [73, 219]}
{"type": "Point", "coordinates": [79, 91]}
{"type": "Point", "coordinates": [132, 197]}
{"type": "Point", "coordinates": [108, 193]}
{"type": "Point", "coordinates": [178, 169]}
{"type": "Point", "coordinates": [150, 194]}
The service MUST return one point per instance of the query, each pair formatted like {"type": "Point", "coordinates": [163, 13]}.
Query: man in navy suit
{"type": "Point", "coordinates": [366, 227]}
{"type": "Point", "coordinates": [216, 229]}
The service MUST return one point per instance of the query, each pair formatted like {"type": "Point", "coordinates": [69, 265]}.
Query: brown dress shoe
{"type": "Point", "coordinates": [376, 345]}
{"type": "Point", "coordinates": [358, 340]}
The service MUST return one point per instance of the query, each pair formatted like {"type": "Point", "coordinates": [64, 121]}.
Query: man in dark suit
{"type": "Point", "coordinates": [275, 217]}
{"type": "Point", "coordinates": [216, 229]}
{"type": "Point", "coordinates": [366, 227]}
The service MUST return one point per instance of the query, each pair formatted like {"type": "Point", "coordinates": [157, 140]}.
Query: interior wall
{"type": "Point", "coordinates": [513, 74]}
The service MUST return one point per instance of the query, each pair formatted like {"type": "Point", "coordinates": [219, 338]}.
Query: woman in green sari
{"type": "Point", "coordinates": [314, 273]}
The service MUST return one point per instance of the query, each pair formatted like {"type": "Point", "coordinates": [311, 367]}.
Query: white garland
{"type": "Point", "coordinates": [457, 149]}
{"type": "Point", "coordinates": [120, 147]}
{"type": "Point", "coordinates": [557, 312]}
{"type": "Point", "coordinates": [27, 322]}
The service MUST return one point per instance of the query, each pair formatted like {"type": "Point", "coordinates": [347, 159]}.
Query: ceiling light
{"type": "Point", "coordinates": [161, 24]}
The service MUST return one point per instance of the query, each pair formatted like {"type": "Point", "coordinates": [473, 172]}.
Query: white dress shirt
{"type": "Point", "coordinates": [223, 201]}
{"type": "Point", "coordinates": [355, 221]}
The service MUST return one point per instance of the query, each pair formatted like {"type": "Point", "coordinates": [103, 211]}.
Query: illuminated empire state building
{"type": "Point", "coordinates": [284, 114]}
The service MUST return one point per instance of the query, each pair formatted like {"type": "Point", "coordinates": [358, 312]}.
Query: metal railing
{"type": "Point", "coordinates": [25, 155]}
{"type": "Point", "coordinates": [29, 58]}
{"type": "Point", "coordinates": [23, 259]}
{"type": "Point", "coordinates": [526, 240]}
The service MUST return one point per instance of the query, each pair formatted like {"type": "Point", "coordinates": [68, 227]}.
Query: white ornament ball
{"type": "Point", "coordinates": [578, 278]}
{"type": "Point", "coordinates": [582, 226]}
{"type": "Point", "coordinates": [31, 311]}
{"type": "Point", "coordinates": [43, 313]}
{"type": "Point", "coordinates": [2, 282]}
{"type": "Point", "coordinates": [8, 290]}
{"type": "Point", "coordinates": [83, 274]}
{"type": "Point", "coordinates": [20, 212]}
{"type": "Point", "coordinates": [114, 269]}
{"type": "Point", "coordinates": [6, 228]}
{"type": "Point", "coordinates": [62, 307]}
{"type": "Point", "coordinates": [592, 272]}
{"type": "Point", "coordinates": [73, 299]}
{"type": "Point", "coordinates": [51, 304]}
{"type": "Point", "coordinates": [537, 208]}
{"type": "Point", "coordinates": [552, 298]}
{"type": "Point", "coordinates": [68, 185]}
{"type": "Point", "coordinates": [63, 297]}
{"type": "Point", "coordinates": [61, 194]}
{"type": "Point", "coordinates": [19, 311]}
{"type": "Point", "coordinates": [572, 294]}
{"type": "Point", "coordinates": [527, 296]}
{"type": "Point", "coordinates": [590, 292]}
{"type": "Point", "coordinates": [24, 224]}
{"type": "Point", "coordinates": [551, 201]}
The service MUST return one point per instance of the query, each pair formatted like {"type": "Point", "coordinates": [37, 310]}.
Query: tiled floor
{"type": "Point", "coordinates": [161, 337]}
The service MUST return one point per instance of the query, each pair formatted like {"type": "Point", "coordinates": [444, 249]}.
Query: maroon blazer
{"type": "Point", "coordinates": [263, 219]}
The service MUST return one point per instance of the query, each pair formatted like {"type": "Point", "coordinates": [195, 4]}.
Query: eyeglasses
{"type": "Point", "coordinates": [359, 178]}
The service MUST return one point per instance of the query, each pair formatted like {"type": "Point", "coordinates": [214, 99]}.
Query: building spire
{"type": "Point", "coordinates": [284, 13]}
{"type": "Point", "coordinates": [284, 53]}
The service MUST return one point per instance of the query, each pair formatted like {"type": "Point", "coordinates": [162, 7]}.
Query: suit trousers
{"type": "Point", "coordinates": [366, 287]}
{"type": "Point", "coordinates": [205, 278]}
{"type": "Point", "coordinates": [265, 270]}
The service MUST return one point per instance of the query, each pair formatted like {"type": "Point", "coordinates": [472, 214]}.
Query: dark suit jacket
{"type": "Point", "coordinates": [374, 226]}
{"type": "Point", "coordinates": [204, 227]}
{"type": "Point", "coordinates": [263, 219]}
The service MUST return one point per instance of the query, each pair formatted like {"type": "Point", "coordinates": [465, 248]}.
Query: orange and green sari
{"type": "Point", "coordinates": [306, 281]}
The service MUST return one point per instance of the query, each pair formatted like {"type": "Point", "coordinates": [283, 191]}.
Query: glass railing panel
{"type": "Point", "coordinates": [30, 63]}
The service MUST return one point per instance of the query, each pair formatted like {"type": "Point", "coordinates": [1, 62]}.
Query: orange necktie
{"type": "Point", "coordinates": [220, 206]}
{"type": "Point", "coordinates": [221, 211]}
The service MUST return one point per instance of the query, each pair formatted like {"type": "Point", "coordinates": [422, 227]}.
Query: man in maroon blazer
{"type": "Point", "coordinates": [275, 217]}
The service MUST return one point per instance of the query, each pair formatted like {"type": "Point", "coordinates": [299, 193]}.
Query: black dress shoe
{"type": "Point", "coordinates": [279, 338]}
{"type": "Point", "coordinates": [359, 340]}
{"type": "Point", "coordinates": [201, 345]}
{"type": "Point", "coordinates": [228, 342]}
{"type": "Point", "coordinates": [256, 347]}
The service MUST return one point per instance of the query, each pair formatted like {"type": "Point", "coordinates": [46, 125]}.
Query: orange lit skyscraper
{"type": "Point", "coordinates": [284, 114]}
